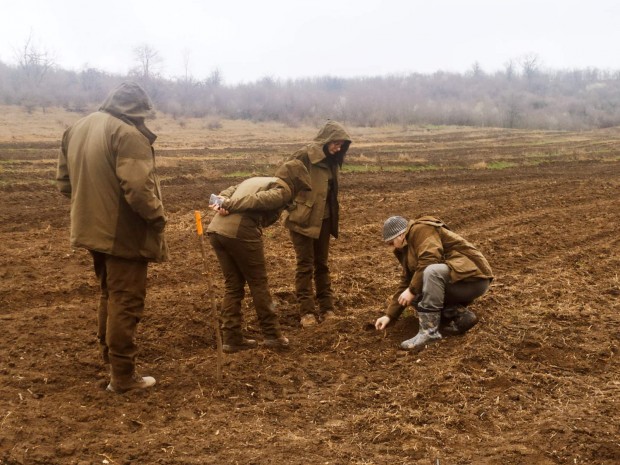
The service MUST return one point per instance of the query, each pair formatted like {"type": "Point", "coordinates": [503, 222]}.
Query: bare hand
{"type": "Point", "coordinates": [382, 322]}
{"type": "Point", "coordinates": [406, 298]}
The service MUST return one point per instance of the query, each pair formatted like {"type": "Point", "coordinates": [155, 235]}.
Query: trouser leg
{"type": "Point", "coordinates": [464, 292]}
{"type": "Point", "coordinates": [304, 253]}
{"type": "Point", "coordinates": [102, 308]}
{"type": "Point", "coordinates": [456, 317]}
{"type": "Point", "coordinates": [439, 293]}
{"type": "Point", "coordinates": [322, 279]}
{"type": "Point", "coordinates": [126, 285]}
{"type": "Point", "coordinates": [434, 281]}
{"type": "Point", "coordinates": [234, 283]}
{"type": "Point", "coordinates": [251, 258]}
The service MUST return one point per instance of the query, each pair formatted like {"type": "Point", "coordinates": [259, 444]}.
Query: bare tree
{"type": "Point", "coordinates": [476, 69]}
{"type": "Point", "coordinates": [34, 62]}
{"type": "Point", "coordinates": [149, 61]}
{"type": "Point", "coordinates": [509, 68]}
{"type": "Point", "coordinates": [186, 70]}
{"type": "Point", "coordinates": [530, 63]}
{"type": "Point", "coordinates": [214, 79]}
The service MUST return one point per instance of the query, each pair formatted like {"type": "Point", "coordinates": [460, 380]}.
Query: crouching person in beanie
{"type": "Point", "coordinates": [235, 234]}
{"type": "Point", "coordinates": [442, 274]}
{"type": "Point", "coordinates": [107, 167]}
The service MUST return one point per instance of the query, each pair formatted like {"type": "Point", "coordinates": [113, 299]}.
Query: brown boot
{"type": "Point", "coordinates": [245, 344]}
{"type": "Point", "coordinates": [280, 342]}
{"type": "Point", "coordinates": [308, 320]}
{"type": "Point", "coordinates": [119, 386]}
{"type": "Point", "coordinates": [462, 322]}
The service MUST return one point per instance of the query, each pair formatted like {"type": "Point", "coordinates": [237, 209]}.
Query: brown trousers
{"type": "Point", "coordinates": [241, 262]}
{"type": "Point", "coordinates": [121, 305]}
{"type": "Point", "coordinates": [312, 257]}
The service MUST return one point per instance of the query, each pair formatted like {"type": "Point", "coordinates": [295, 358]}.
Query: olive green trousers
{"type": "Point", "coordinates": [121, 305]}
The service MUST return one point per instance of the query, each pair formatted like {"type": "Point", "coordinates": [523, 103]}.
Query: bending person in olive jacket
{"type": "Point", "coordinates": [236, 236]}
{"type": "Point", "coordinates": [107, 167]}
{"type": "Point", "coordinates": [314, 217]}
{"type": "Point", "coordinates": [442, 274]}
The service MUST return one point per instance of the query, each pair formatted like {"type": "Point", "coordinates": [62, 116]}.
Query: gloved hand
{"type": "Point", "coordinates": [382, 322]}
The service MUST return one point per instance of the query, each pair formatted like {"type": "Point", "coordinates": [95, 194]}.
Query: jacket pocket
{"type": "Point", "coordinates": [154, 246]}
{"type": "Point", "coordinates": [462, 265]}
{"type": "Point", "coordinates": [300, 212]}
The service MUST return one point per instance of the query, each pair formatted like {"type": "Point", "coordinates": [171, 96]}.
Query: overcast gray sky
{"type": "Point", "coordinates": [250, 39]}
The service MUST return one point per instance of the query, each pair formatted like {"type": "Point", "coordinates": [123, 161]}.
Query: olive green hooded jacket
{"type": "Point", "coordinates": [306, 214]}
{"type": "Point", "coordinates": [429, 241]}
{"type": "Point", "coordinates": [107, 167]}
{"type": "Point", "coordinates": [258, 202]}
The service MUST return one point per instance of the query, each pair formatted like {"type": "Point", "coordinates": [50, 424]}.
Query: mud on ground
{"type": "Point", "coordinates": [536, 382]}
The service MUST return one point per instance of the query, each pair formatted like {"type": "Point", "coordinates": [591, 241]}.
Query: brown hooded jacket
{"type": "Point", "coordinates": [107, 167]}
{"type": "Point", "coordinates": [257, 202]}
{"type": "Point", "coordinates": [308, 210]}
{"type": "Point", "coordinates": [429, 241]}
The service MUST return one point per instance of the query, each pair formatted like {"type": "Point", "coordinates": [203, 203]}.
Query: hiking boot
{"type": "Point", "coordinates": [308, 320]}
{"type": "Point", "coordinates": [328, 315]}
{"type": "Point", "coordinates": [466, 321]}
{"type": "Point", "coordinates": [245, 344]}
{"type": "Point", "coordinates": [428, 333]}
{"type": "Point", "coordinates": [281, 342]}
{"type": "Point", "coordinates": [135, 382]}
{"type": "Point", "coordinates": [461, 323]}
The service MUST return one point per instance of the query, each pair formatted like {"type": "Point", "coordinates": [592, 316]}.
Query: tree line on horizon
{"type": "Point", "coordinates": [522, 95]}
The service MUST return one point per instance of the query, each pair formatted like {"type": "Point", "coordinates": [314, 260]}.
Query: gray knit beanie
{"type": "Point", "coordinates": [394, 226]}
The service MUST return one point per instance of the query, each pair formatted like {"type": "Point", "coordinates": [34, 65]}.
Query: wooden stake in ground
{"type": "Point", "coordinates": [215, 320]}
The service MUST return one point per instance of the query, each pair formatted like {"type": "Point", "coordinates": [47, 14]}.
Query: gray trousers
{"type": "Point", "coordinates": [438, 292]}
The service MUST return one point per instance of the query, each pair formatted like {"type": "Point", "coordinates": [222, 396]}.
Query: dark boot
{"type": "Point", "coordinates": [462, 320]}
{"type": "Point", "coordinates": [244, 344]}
{"type": "Point", "coordinates": [280, 342]}
{"type": "Point", "coordinates": [427, 334]}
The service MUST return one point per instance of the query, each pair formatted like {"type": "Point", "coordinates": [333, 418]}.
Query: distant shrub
{"type": "Point", "coordinates": [214, 124]}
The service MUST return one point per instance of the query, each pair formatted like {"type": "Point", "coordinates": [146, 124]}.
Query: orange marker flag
{"type": "Point", "coordinates": [198, 222]}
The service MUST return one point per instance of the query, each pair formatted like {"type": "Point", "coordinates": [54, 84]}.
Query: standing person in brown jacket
{"type": "Point", "coordinates": [442, 274]}
{"type": "Point", "coordinates": [314, 217]}
{"type": "Point", "coordinates": [107, 167]}
{"type": "Point", "coordinates": [235, 234]}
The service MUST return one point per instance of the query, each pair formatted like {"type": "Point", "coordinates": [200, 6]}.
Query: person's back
{"type": "Point", "coordinates": [107, 167]}
{"type": "Point", "coordinates": [249, 213]}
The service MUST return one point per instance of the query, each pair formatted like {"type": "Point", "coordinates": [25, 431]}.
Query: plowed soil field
{"type": "Point", "coordinates": [537, 381]}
